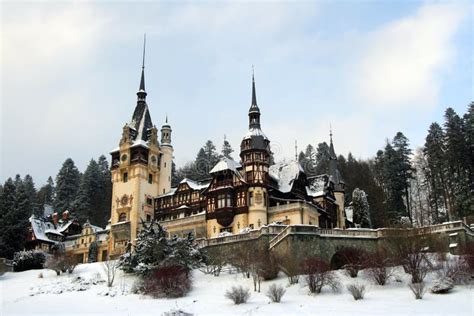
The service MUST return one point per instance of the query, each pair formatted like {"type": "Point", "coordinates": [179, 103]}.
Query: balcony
{"type": "Point", "coordinates": [121, 231]}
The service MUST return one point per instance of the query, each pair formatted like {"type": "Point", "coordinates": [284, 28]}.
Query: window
{"type": "Point", "coordinates": [264, 199]}
{"type": "Point", "coordinates": [226, 229]}
{"type": "Point", "coordinates": [229, 200]}
{"type": "Point", "coordinates": [150, 178]}
{"type": "Point", "coordinates": [250, 198]}
{"type": "Point", "coordinates": [259, 222]}
{"type": "Point", "coordinates": [148, 217]}
{"type": "Point", "coordinates": [149, 201]}
{"type": "Point", "coordinates": [165, 165]}
{"type": "Point", "coordinates": [251, 226]}
{"type": "Point", "coordinates": [122, 217]}
{"type": "Point", "coordinates": [249, 176]}
{"type": "Point", "coordinates": [220, 201]}
{"type": "Point", "coordinates": [125, 177]}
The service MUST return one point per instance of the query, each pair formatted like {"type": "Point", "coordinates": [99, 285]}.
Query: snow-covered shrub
{"type": "Point", "coordinates": [378, 267]}
{"type": "Point", "coordinates": [418, 289]}
{"type": "Point", "coordinates": [238, 294]}
{"type": "Point", "coordinates": [28, 260]}
{"type": "Point", "coordinates": [351, 259]}
{"type": "Point", "coordinates": [57, 260]}
{"type": "Point", "coordinates": [275, 293]}
{"type": "Point", "coordinates": [357, 290]}
{"type": "Point", "coordinates": [177, 312]}
{"type": "Point", "coordinates": [455, 269]}
{"type": "Point", "coordinates": [442, 285]}
{"type": "Point", "coordinates": [171, 282]}
{"type": "Point", "coordinates": [318, 275]}
{"type": "Point", "coordinates": [154, 250]}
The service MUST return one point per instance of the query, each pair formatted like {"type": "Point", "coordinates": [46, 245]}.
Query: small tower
{"type": "Point", "coordinates": [339, 186]}
{"type": "Point", "coordinates": [255, 157]}
{"type": "Point", "coordinates": [166, 159]}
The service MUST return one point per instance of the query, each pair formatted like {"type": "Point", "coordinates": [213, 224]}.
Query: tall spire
{"type": "Point", "coordinates": [254, 95]}
{"type": "Point", "coordinates": [141, 91]}
{"type": "Point", "coordinates": [254, 111]}
{"type": "Point", "coordinates": [332, 152]}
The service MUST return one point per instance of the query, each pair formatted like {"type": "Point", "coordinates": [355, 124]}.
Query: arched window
{"type": "Point", "coordinates": [122, 217]}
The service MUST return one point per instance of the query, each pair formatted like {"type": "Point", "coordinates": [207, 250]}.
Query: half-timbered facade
{"type": "Point", "coordinates": [252, 193]}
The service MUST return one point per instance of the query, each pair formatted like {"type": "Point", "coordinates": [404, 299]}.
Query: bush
{"type": "Point", "coordinates": [291, 267]}
{"type": "Point", "coordinates": [357, 291]}
{"type": "Point", "coordinates": [442, 286]}
{"type": "Point", "coordinates": [171, 282]}
{"type": "Point", "coordinates": [28, 260]}
{"type": "Point", "coordinates": [467, 253]}
{"type": "Point", "coordinates": [378, 267]}
{"type": "Point", "coordinates": [456, 269]}
{"type": "Point", "coordinates": [418, 289]}
{"type": "Point", "coordinates": [351, 259]}
{"type": "Point", "coordinates": [318, 275]}
{"type": "Point", "coordinates": [275, 293]}
{"type": "Point", "coordinates": [238, 294]}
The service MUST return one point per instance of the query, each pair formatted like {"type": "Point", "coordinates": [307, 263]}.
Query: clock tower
{"type": "Point", "coordinates": [141, 170]}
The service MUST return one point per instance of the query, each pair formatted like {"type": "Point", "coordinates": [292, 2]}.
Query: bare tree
{"type": "Point", "coordinates": [110, 268]}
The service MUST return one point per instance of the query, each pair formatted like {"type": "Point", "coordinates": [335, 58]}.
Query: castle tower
{"type": "Point", "coordinates": [339, 186]}
{"type": "Point", "coordinates": [166, 159]}
{"type": "Point", "coordinates": [255, 158]}
{"type": "Point", "coordinates": [137, 174]}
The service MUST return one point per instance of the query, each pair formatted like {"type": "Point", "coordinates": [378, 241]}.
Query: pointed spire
{"type": "Point", "coordinates": [141, 91]}
{"type": "Point", "coordinates": [254, 95]}
{"type": "Point", "coordinates": [166, 120]}
{"type": "Point", "coordinates": [332, 152]}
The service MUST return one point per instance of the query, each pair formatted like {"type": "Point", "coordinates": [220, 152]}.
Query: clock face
{"type": "Point", "coordinates": [124, 157]}
{"type": "Point", "coordinates": [124, 200]}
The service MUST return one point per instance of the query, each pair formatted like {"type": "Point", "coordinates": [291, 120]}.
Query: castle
{"type": "Point", "coordinates": [239, 196]}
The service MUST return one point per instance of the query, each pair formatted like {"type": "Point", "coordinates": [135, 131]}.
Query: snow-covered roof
{"type": "Point", "coordinates": [255, 132]}
{"type": "Point", "coordinates": [195, 185]}
{"type": "Point", "coordinates": [138, 142]}
{"type": "Point", "coordinates": [285, 173]}
{"type": "Point", "coordinates": [316, 186]}
{"type": "Point", "coordinates": [170, 192]}
{"type": "Point", "coordinates": [41, 228]}
{"type": "Point", "coordinates": [226, 164]}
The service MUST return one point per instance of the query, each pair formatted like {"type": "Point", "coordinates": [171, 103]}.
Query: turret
{"type": "Point", "coordinates": [166, 161]}
{"type": "Point", "coordinates": [339, 186]}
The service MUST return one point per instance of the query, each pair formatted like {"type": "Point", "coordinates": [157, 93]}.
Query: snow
{"type": "Point", "coordinates": [453, 234]}
{"type": "Point", "coordinates": [453, 245]}
{"type": "Point", "coordinates": [195, 185]}
{"type": "Point", "coordinates": [316, 186]}
{"type": "Point", "coordinates": [285, 173]}
{"type": "Point", "coordinates": [138, 142]}
{"type": "Point", "coordinates": [226, 164]}
{"type": "Point", "coordinates": [85, 292]}
{"type": "Point", "coordinates": [42, 227]}
{"type": "Point", "coordinates": [254, 132]}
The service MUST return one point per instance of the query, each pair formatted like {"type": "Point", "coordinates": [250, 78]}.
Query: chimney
{"type": "Point", "coordinates": [65, 215]}
{"type": "Point", "coordinates": [55, 218]}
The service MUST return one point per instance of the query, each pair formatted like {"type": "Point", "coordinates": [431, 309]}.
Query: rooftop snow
{"type": "Point", "coordinates": [195, 185]}
{"type": "Point", "coordinates": [316, 186]}
{"type": "Point", "coordinates": [285, 173]}
{"type": "Point", "coordinates": [254, 132]}
{"type": "Point", "coordinates": [139, 142]}
{"type": "Point", "coordinates": [226, 164]}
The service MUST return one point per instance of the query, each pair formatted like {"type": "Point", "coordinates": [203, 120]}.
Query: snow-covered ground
{"type": "Point", "coordinates": [84, 292]}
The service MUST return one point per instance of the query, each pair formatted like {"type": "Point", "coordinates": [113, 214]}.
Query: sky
{"type": "Point", "coordinates": [70, 72]}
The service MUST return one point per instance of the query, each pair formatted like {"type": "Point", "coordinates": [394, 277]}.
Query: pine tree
{"type": "Point", "coordinates": [404, 168]}
{"type": "Point", "coordinates": [88, 200]}
{"type": "Point", "coordinates": [105, 191]}
{"type": "Point", "coordinates": [227, 150]}
{"type": "Point", "coordinates": [93, 251]}
{"type": "Point", "coordinates": [457, 165]}
{"type": "Point", "coordinates": [31, 192]}
{"type": "Point", "coordinates": [16, 209]}
{"type": "Point", "coordinates": [322, 158]}
{"type": "Point", "coordinates": [46, 193]}
{"type": "Point", "coordinates": [206, 159]}
{"type": "Point", "coordinates": [361, 208]}
{"type": "Point", "coordinates": [310, 160]}
{"type": "Point", "coordinates": [67, 186]}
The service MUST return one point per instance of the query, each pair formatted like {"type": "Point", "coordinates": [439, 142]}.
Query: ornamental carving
{"type": "Point", "coordinates": [124, 200]}
{"type": "Point", "coordinates": [125, 135]}
{"type": "Point", "coordinates": [258, 198]}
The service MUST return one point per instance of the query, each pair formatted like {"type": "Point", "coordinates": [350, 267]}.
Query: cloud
{"type": "Point", "coordinates": [401, 63]}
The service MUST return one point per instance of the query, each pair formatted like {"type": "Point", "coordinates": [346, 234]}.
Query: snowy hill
{"type": "Point", "coordinates": [85, 292]}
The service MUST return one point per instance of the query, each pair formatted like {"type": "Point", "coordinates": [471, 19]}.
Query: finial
{"type": "Point", "coordinates": [330, 131]}
{"type": "Point", "coordinates": [253, 71]}
{"type": "Point", "coordinates": [144, 45]}
{"type": "Point", "coordinates": [166, 120]}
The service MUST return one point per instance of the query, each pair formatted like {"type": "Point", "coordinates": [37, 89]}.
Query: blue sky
{"type": "Point", "coordinates": [70, 71]}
